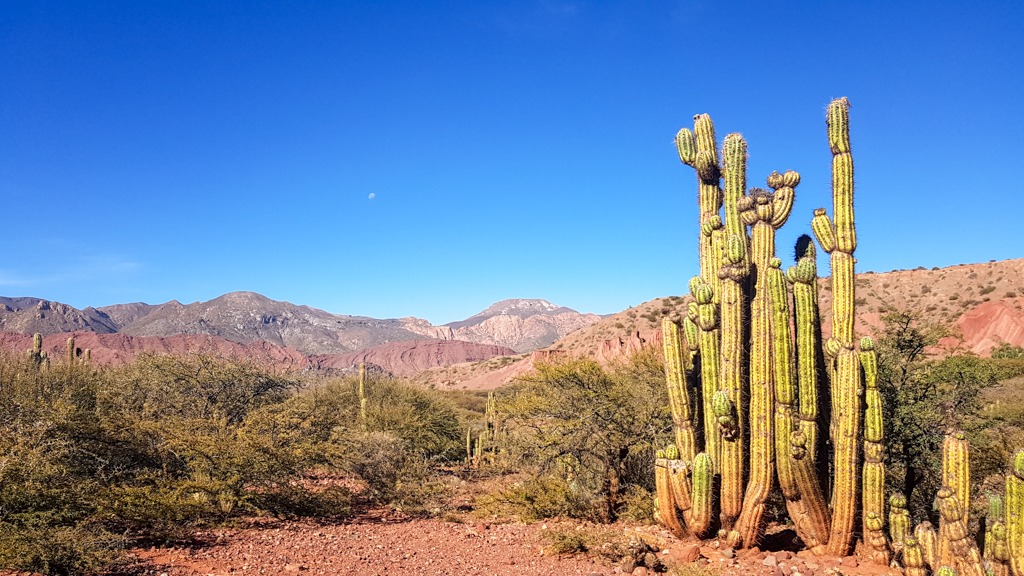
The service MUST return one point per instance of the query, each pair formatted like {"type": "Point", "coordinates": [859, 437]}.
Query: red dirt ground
{"type": "Point", "coordinates": [379, 545]}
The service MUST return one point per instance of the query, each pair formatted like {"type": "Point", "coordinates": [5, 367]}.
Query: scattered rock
{"type": "Point", "coordinates": [728, 553]}
{"type": "Point", "coordinates": [687, 554]}
{"type": "Point", "coordinates": [639, 571]}
{"type": "Point", "coordinates": [783, 555]}
{"type": "Point", "coordinates": [850, 562]}
{"type": "Point", "coordinates": [771, 561]}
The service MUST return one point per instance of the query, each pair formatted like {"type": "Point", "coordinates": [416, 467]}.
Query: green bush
{"type": "Point", "coordinates": [150, 449]}
{"type": "Point", "coordinates": [587, 433]}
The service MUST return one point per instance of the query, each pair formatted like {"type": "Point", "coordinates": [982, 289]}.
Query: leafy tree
{"type": "Point", "coordinates": [925, 398]}
{"type": "Point", "coordinates": [593, 428]}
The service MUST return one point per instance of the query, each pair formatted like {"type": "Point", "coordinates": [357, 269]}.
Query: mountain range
{"type": "Point", "coordinates": [250, 324]}
{"type": "Point", "coordinates": [982, 305]}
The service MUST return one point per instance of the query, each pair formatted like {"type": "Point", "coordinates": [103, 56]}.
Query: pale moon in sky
{"type": "Point", "coordinates": [372, 195]}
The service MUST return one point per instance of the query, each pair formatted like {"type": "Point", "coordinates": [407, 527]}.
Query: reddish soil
{"type": "Point", "coordinates": [380, 545]}
{"type": "Point", "coordinates": [371, 546]}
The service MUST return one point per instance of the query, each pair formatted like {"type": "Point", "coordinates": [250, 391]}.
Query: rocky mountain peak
{"type": "Point", "coordinates": [521, 306]}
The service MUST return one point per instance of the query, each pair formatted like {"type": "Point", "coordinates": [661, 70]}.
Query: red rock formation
{"type": "Point", "coordinates": [992, 323]}
{"type": "Point", "coordinates": [118, 349]}
{"type": "Point", "coordinates": [409, 357]}
{"type": "Point", "coordinates": [622, 348]}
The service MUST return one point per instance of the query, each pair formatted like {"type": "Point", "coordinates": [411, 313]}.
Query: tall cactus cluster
{"type": "Point", "coordinates": [72, 355]}
{"type": "Point", "coordinates": [760, 402]}
{"type": "Point", "coordinates": [489, 441]}
{"type": "Point", "coordinates": [747, 364]}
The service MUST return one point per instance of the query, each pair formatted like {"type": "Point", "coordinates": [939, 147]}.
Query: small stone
{"type": "Point", "coordinates": [651, 561]}
{"type": "Point", "coordinates": [812, 566]}
{"type": "Point", "coordinates": [687, 554]}
{"type": "Point", "coordinates": [783, 555]}
{"type": "Point", "coordinates": [628, 565]}
{"type": "Point", "coordinates": [778, 572]}
{"type": "Point", "coordinates": [770, 561]}
{"type": "Point", "coordinates": [639, 571]}
{"type": "Point", "coordinates": [728, 553]}
{"type": "Point", "coordinates": [850, 562]}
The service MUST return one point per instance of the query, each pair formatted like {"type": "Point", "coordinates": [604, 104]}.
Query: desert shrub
{"type": "Point", "coordinates": [987, 290]}
{"type": "Point", "coordinates": [588, 433]}
{"type": "Point", "coordinates": [1006, 351]}
{"type": "Point", "coordinates": [545, 495]}
{"type": "Point", "coordinates": [923, 398]}
{"type": "Point", "coordinates": [148, 450]}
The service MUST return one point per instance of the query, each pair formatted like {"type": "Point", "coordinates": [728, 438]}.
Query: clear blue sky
{"type": "Point", "coordinates": [179, 150]}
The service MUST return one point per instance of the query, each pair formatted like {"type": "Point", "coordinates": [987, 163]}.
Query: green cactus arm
{"type": "Point", "coordinates": [899, 521]}
{"type": "Point", "coordinates": [815, 520]}
{"type": "Point", "coordinates": [873, 490]}
{"type": "Point", "coordinates": [700, 516]}
{"type": "Point", "coordinates": [1013, 508]}
{"type": "Point", "coordinates": [956, 468]}
{"type": "Point", "coordinates": [679, 483]}
{"type": "Point", "coordinates": [665, 508]}
{"type": "Point", "coordinates": [804, 277]}
{"type": "Point", "coordinates": [838, 120]}
{"type": "Point", "coordinates": [707, 321]}
{"type": "Point", "coordinates": [734, 168]}
{"type": "Point", "coordinates": [955, 479]}
{"type": "Point", "coordinates": [926, 536]}
{"type": "Point", "coordinates": [960, 549]}
{"type": "Point", "coordinates": [705, 162]}
{"type": "Point", "coordinates": [786, 408]}
{"type": "Point", "coordinates": [847, 380]}
{"type": "Point", "coordinates": [813, 531]}
{"type": "Point", "coordinates": [676, 356]}
{"type": "Point", "coordinates": [686, 145]}
{"type": "Point", "coordinates": [823, 230]}
{"type": "Point", "coordinates": [733, 276]}
{"type": "Point", "coordinates": [761, 383]}
{"type": "Point", "coordinates": [993, 517]}
{"type": "Point", "coordinates": [731, 372]}
{"type": "Point", "coordinates": [913, 558]}
{"type": "Point", "coordinates": [784, 186]}
{"type": "Point", "coordinates": [874, 538]}
{"type": "Point", "coordinates": [846, 479]}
